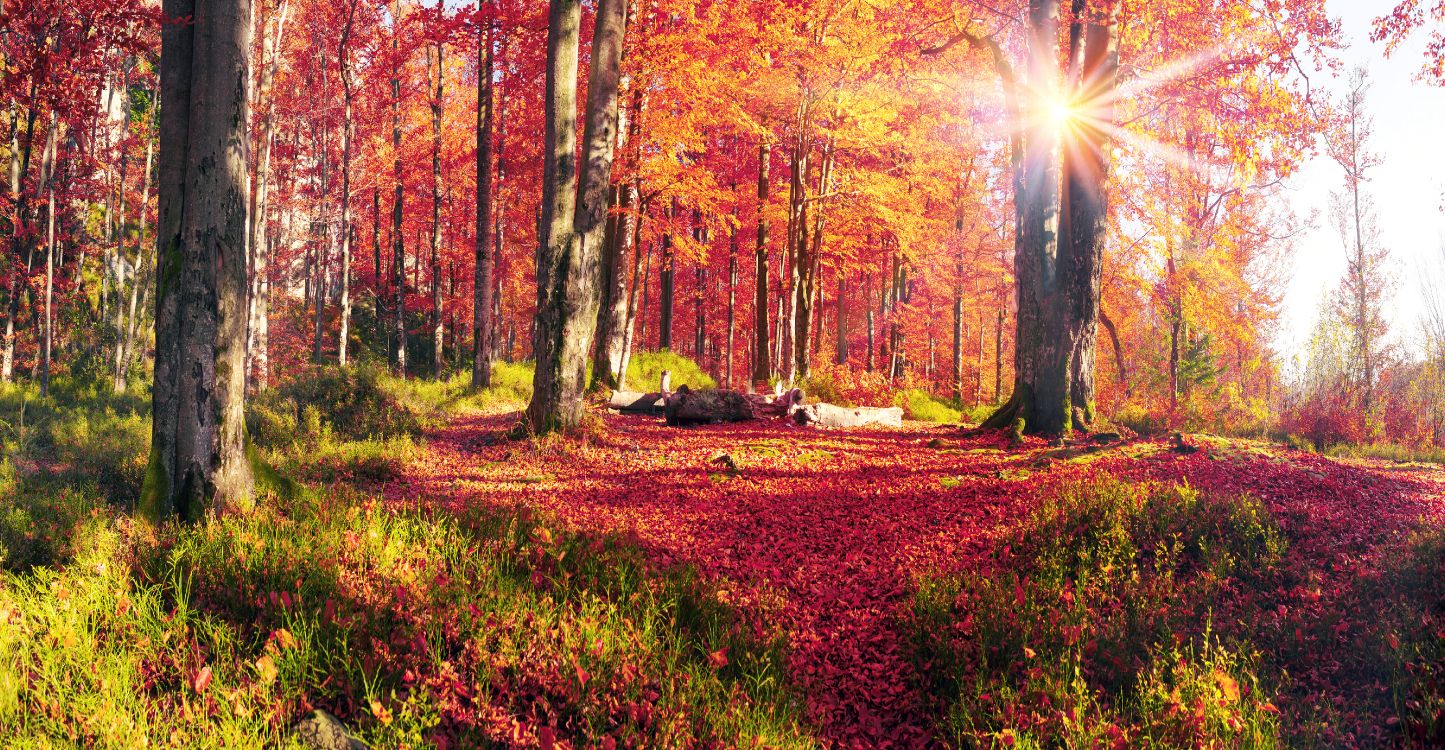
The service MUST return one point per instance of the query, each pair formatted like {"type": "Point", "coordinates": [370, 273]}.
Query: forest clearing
{"type": "Point", "coordinates": [692, 374]}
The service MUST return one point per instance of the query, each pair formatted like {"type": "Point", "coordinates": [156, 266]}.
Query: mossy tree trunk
{"type": "Point", "coordinates": [197, 460]}
{"type": "Point", "coordinates": [1061, 215]}
{"type": "Point", "coordinates": [569, 256]}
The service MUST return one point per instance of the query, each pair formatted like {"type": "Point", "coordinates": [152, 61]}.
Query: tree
{"type": "Point", "coordinates": [482, 281]}
{"type": "Point", "coordinates": [1363, 288]}
{"type": "Point", "coordinates": [197, 460]}
{"type": "Point", "coordinates": [1060, 164]}
{"type": "Point", "coordinates": [574, 212]}
{"type": "Point", "coordinates": [1397, 26]}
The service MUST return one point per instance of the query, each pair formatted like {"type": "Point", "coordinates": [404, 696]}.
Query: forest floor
{"type": "Point", "coordinates": [827, 534]}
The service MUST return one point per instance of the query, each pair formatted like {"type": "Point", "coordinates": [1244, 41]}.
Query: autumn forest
{"type": "Point", "coordinates": [694, 374]}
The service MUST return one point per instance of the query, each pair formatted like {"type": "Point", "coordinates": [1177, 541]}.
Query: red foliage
{"type": "Point", "coordinates": [838, 524]}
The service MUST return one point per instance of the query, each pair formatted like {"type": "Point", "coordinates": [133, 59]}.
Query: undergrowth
{"type": "Point", "coordinates": [416, 626]}
{"type": "Point", "coordinates": [1093, 627]}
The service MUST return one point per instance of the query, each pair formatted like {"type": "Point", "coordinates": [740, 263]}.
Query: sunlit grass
{"type": "Point", "coordinates": [410, 623]}
{"type": "Point", "coordinates": [1093, 628]}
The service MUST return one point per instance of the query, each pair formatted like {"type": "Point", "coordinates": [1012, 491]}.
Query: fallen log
{"type": "Point", "coordinates": [780, 405]}
{"type": "Point", "coordinates": [830, 415]}
{"type": "Point", "coordinates": [689, 407]}
{"type": "Point", "coordinates": [632, 402]}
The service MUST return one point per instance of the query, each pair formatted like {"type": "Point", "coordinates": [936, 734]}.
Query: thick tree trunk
{"type": "Point", "coordinates": [762, 368]}
{"type": "Point", "coordinates": [1057, 257]}
{"type": "Point", "coordinates": [197, 460]}
{"type": "Point", "coordinates": [483, 321]}
{"type": "Point", "coordinates": [575, 212]}
{"type": "Point", "coordinates": [612, 314]}
{"type": "Point", "coordinates": [613, 318]}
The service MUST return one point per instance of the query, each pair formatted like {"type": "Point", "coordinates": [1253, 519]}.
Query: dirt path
{"type": "Point", "coordinates": [836, 524]}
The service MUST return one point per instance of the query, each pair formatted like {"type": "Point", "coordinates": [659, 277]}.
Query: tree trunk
{"type": "Point", "coordinates": [145, 259]}
{"type": "Point", "coordinates": [762, 368]}
{"type": "Point", "coordinates": [665, 290]}
{"type": "Point", "coordinates": [699, 283]}
{"type": "Point", "coordinates": [840, 349]}
{"type": "Point", "coordinates": [438, 343]}
{"type": "Point", "coordinates": [868, 321]}
{"type": "Point", "coordinates": [119, 238]}
{"type": "Point", "coordinates": [344, 332]}
{"type": "Point", "coordinates": [1059, 240]}
{"type": "Point", "coordinates": [613, 318]}
{"type": "Point", "coordinates": [483, 321]}
{"type": "Point", "coordinates": [197, 460]}
{"type": "Point", "coordinates": [641, 276]}
{"type": "Point", "coordinates": [258, 311]}
{"type": "Point", "coordinates": [575, 211]}
{"type": "Point", "coordinates": [732, 302]}
{"type": "Point", "coordinates": [48, 329]}
{"type": "Point", "coordinates": [398, 246]}
{"type": "Point", "coordinates": [612, 315]}
{"type": "Point", "coordinates": [19, 168]}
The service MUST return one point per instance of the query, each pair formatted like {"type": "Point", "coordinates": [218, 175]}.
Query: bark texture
{"type": "Point", "coordinates": [197, 460]}
{"type": "Point", "coordinates": [1060, 223]}
{"type": "Point", "coordinates": [574, 215]}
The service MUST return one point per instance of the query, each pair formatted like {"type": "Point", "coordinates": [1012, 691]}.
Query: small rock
{"type": "Point", "coordinates": [1105, 437]}
{"type": "Point", "coordinates": [320, 730]}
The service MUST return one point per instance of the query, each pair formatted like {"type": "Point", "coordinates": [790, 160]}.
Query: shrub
{"type": "Point", "coordinates": [925, 407]}
{"type": "Point", "coordinates": [644, 371]}
{"type": "Point", "coordinates": [1095, 619]}
{"type": "Point", "coordinates": [1140, 419]}
{"type": "Point", "coordinates": [356, 402]}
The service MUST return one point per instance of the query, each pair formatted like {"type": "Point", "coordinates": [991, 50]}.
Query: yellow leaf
{"type": "Point", "coordinates": [266, 668]}
{"type": "Point", "coordinates": [1227, 685]}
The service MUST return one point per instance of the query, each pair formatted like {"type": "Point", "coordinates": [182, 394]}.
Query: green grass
{"type": "Point", "coordinates": [1389, 452]}
{"type": "Point", "coordinates": [644, 371]}
{"type": "Point", "coordinates": [1092, 627]}
{"type": "Point", "coordinates": [925, 407]}
{"type": "Point", "coordinates": [411, 623]}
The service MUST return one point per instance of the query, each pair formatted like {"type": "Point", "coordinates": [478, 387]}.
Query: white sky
{"type": "Point", "coordinates": [1409, 187]}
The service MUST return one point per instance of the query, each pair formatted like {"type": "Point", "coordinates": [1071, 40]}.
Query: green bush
{"type": "Point", "coordinates": [644, 371]}
{"type": "Point", "coordinates": [925, 407]}
{"type": "Point", "coordinates": [1140, 419]}
{"type": "Point", "coordinates": [1094, 619]}
{"type": "Point", "coordinates": [511, 385]}
{"type": "Point", "coordinates": [81, 433]}
{"type": "Point", "coordinates": [356, 402]}
{"type": "Point", "coordinates": [221, 634]}
{"type": "Point", "coordinates": [1389, 452]}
